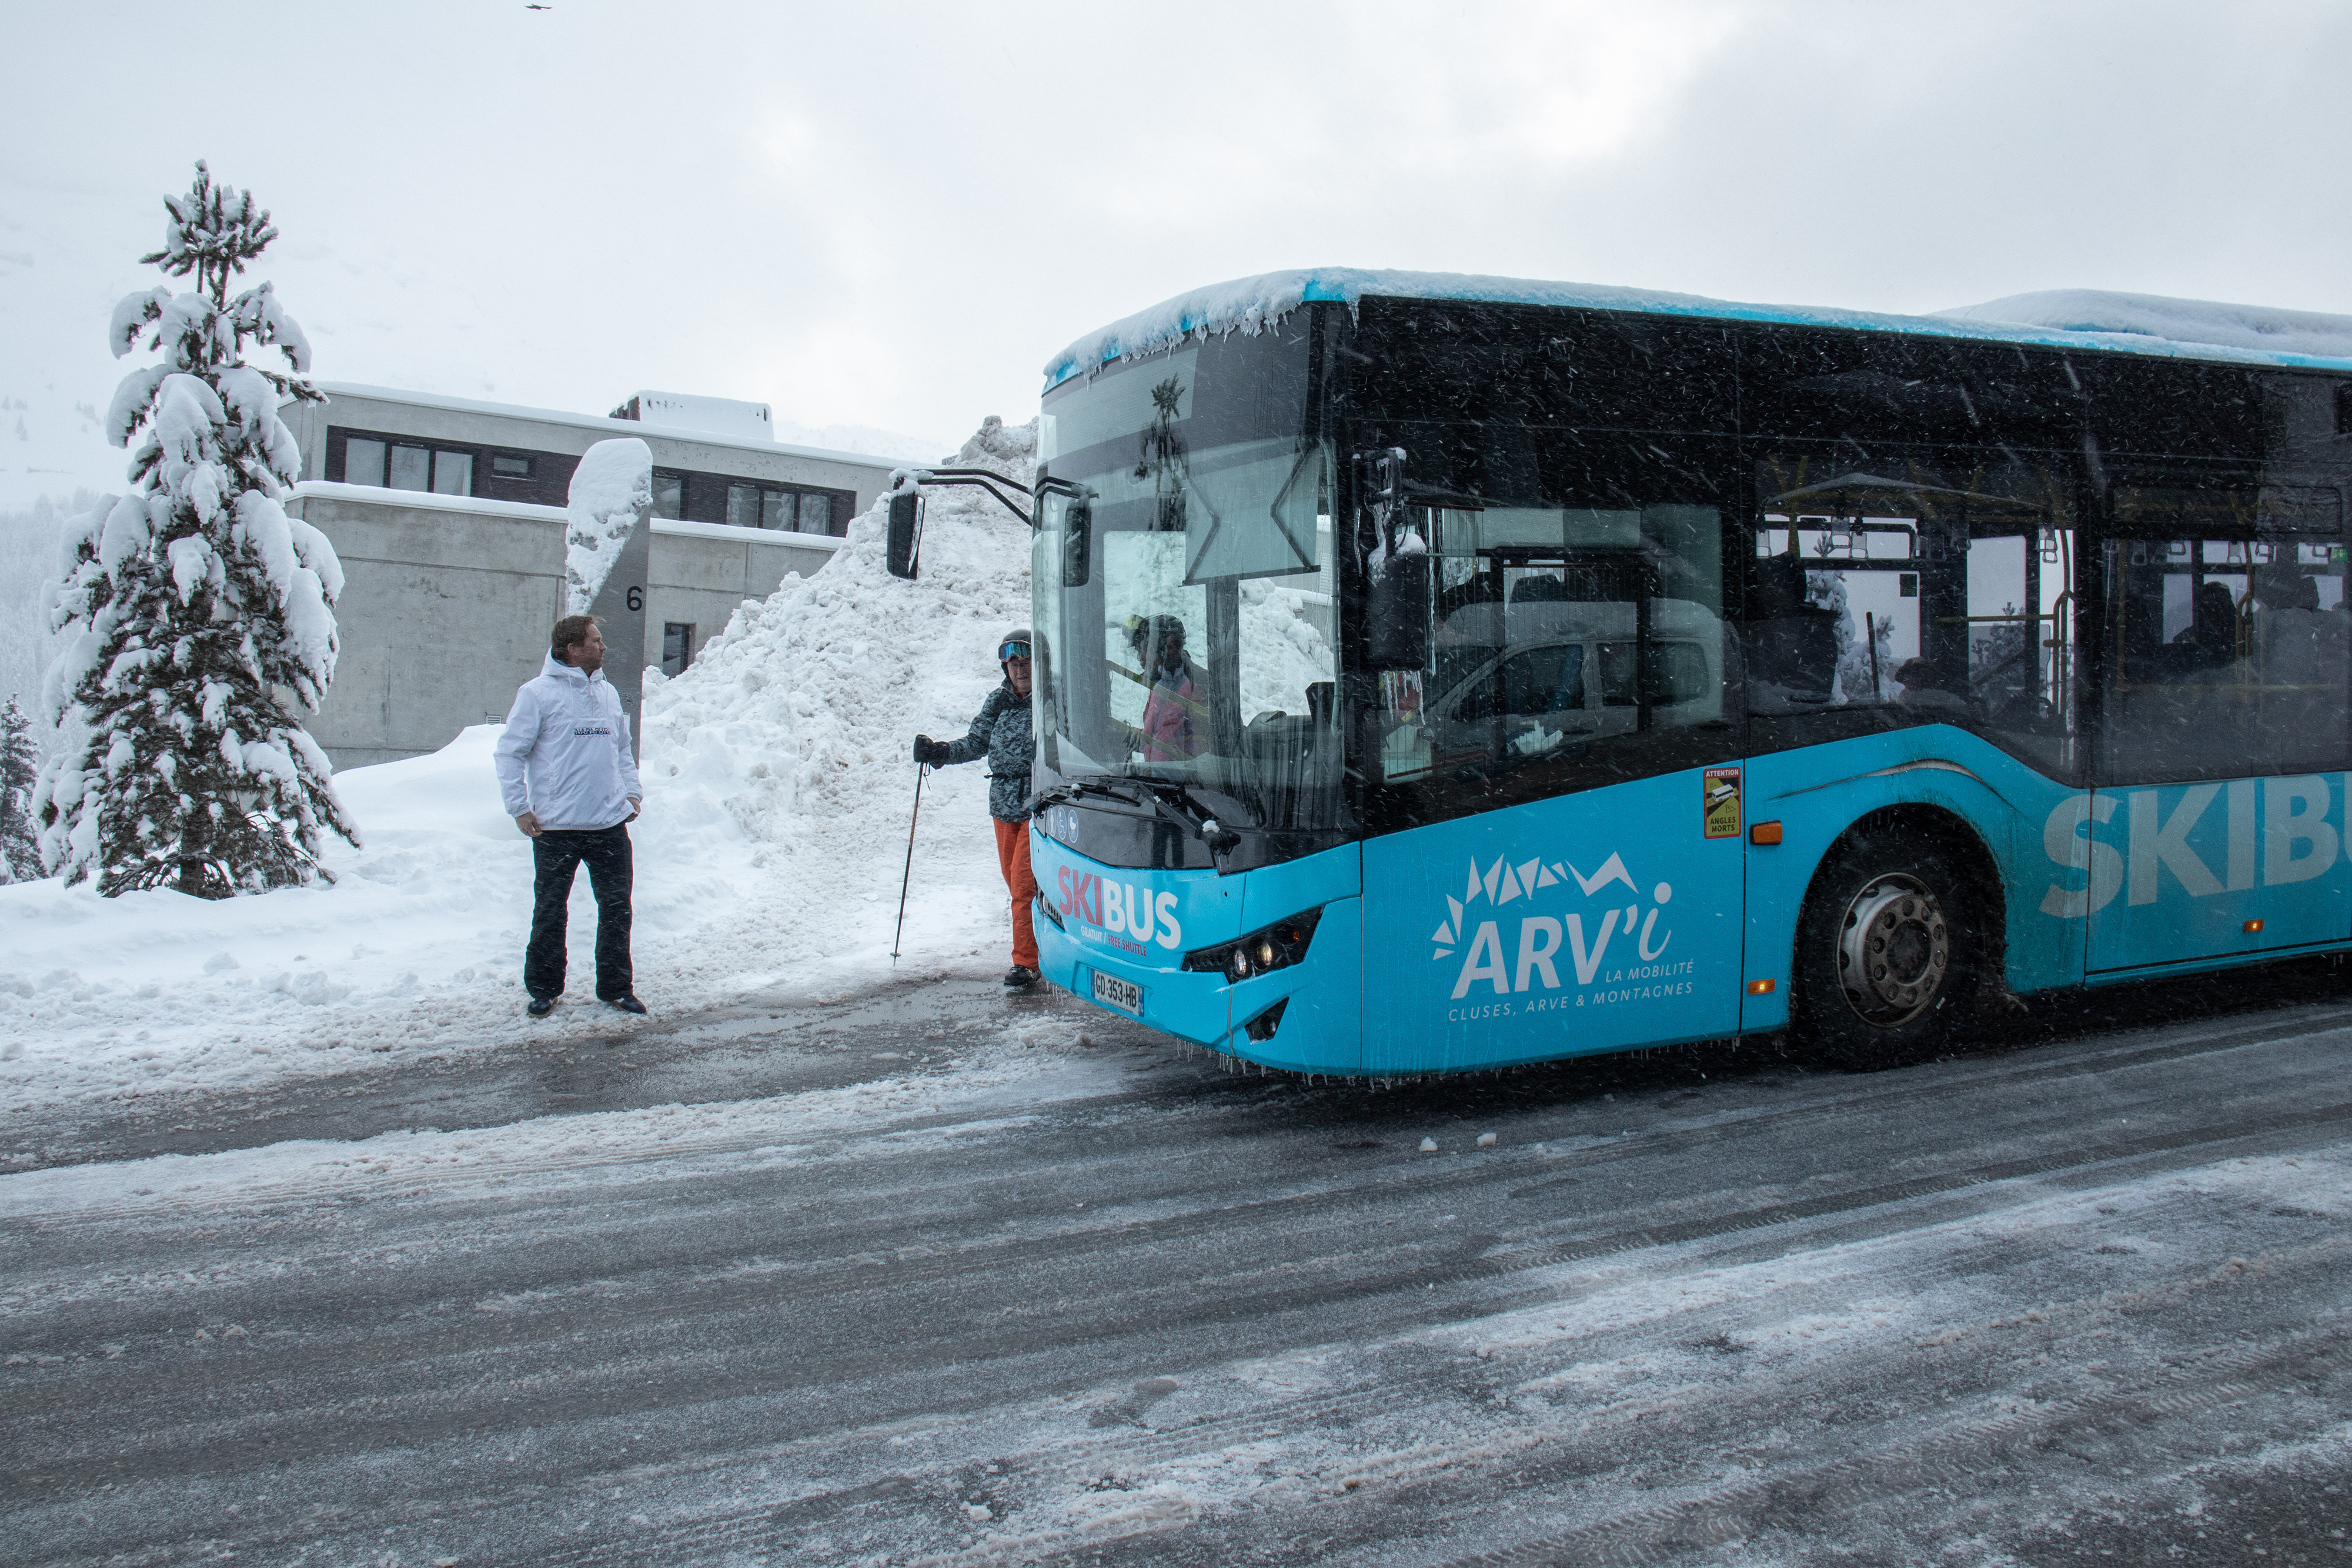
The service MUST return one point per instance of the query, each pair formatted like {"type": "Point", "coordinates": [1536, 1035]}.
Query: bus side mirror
{"type": "Point", "coordinates": [906, 542]}
{"type": "Point", "coordinates": [1396, 620]}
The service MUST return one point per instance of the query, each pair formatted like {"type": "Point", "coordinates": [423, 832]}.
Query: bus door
{"type": "Point", "coordinates": [1556, 861]}
{"type": "Point", "coordinates": [2218, 822]}
{"type": "Point", "coordinates": [1895, 600]}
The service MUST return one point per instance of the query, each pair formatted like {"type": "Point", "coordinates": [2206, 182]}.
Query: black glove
{"type": "Point", "coordinates": [934, 752]}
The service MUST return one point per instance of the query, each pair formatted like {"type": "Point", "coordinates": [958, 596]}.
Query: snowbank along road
{"type": "Point", "coordinates": [966, 1279]}
{"type": "Point", "coordinates": [775, 768]}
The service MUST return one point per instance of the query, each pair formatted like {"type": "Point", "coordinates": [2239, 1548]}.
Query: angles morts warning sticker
{"type": "Point", "coordinates": [1720, 808]}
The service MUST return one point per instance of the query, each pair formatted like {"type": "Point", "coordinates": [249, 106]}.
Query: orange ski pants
{"type": "Point", "coordinates": [1012, 857]}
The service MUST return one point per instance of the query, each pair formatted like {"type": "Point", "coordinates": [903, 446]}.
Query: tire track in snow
{"type": "Point", "coordinates": [1798, 1500]}
{"type": "Point", "coordinates": [2314, 1362]}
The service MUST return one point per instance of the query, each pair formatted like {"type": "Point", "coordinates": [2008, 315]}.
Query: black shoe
{"type": "Point", "coordinates": [1020, 978]}
{"type": "Point", "coordinates": [540, 1006]}
{"type": "Point", "coordinates": [626, 1004]}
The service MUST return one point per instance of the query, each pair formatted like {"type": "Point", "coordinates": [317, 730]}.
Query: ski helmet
{"type": "Point", "coordinates": [1014, 644]}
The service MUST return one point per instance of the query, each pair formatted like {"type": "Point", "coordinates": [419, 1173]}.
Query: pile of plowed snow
{"type": "Point", "coordinates": [789, 737]}
{"type": "Point", "coordinates": [778, 785]}
{"type": "Point", "coordinates": [796, 722]}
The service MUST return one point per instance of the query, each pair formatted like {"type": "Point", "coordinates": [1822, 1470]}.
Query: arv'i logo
{"type": "Point", "coordinates": [1539, 936]}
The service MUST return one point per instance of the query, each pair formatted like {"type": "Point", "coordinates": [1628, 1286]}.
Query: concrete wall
{"type": "Point", "coordinates": [448, 601]}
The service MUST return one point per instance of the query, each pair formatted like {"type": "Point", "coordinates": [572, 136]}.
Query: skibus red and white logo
{"type": "Point", "coordinates": [1125, 915]}
{"type": "Point", "coordinates": [1589, 932]}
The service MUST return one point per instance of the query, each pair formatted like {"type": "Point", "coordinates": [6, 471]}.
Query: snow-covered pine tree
{"type": "Point", "coordinates": [204, 612]}
{"type": "Point", "coordinates": [20, 763]}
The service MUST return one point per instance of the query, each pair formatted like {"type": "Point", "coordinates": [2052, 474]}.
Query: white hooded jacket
{"type": "Point", "coordinates": [564, 755]}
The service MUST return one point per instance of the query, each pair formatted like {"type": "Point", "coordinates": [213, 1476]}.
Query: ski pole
{"type": "Point", "coordinates": [907, 875]}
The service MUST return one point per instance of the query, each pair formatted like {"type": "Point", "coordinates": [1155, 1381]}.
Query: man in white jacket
{"type": "Point", "coordinates": [569, 781]}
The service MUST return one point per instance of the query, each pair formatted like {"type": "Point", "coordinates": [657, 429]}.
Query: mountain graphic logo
{"type": "Point", "coordinates": [1503, 882]}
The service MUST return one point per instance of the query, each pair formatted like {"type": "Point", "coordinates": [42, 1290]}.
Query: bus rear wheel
{"type": "Point", "coordinates": [1886, 953]}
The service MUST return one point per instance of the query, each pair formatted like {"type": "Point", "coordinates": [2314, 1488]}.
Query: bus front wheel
{"type": "Point", "coordinates": [1886, 953]}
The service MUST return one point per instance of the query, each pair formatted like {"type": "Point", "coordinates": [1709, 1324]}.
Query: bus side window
{"type": "Point", "coordinates": [1925, 596]}
{"type": "Point", "coordinates": [2020, 649]}
{"type": "Point", "coordinates": [2232, 640]}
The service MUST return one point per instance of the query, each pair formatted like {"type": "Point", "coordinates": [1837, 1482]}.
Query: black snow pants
{"type": "Point", "coordinates": [556, 854]}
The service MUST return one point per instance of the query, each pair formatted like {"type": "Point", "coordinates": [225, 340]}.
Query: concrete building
{"type": "Point", "coordinates": [448, 517]}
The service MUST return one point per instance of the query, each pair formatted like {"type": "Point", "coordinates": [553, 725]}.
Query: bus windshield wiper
{"type": "Point", "coordinates": [1182, 810]}
{"type": "Point", "coordinates": [1070, 788]}
{"type": "Point", "coordinates": [1177, 803]}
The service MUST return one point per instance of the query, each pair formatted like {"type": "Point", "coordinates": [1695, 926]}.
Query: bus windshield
{"type": "Point", "coordinates": [1183, 582]}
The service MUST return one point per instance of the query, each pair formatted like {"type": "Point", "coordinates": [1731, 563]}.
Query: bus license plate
{"type": "Point", "coordinates": [1114, 992]}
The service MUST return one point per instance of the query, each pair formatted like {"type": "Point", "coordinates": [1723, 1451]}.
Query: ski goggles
{"type": "Point", "coordinates": [1012, 651]}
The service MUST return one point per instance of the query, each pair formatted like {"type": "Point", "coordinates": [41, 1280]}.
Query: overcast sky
{"type": "Point", "coordinates": [892, 214]}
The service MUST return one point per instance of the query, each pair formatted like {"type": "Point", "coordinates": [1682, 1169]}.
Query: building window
{"type": "Point", "coordinates": [411, 468]}
{"type": "Point", "coordinates": [362, 462]}
{"type": "Point", "coordinates": [677, 647]}
{"type": "Point", "coordinates": [743, 506]}
{"type": "Point", "coordinates": [788, 510]}
{"type": "Point", "coordinates": [669, 495]}
{"type": "Point", "coordinates": [510, 464]}
{"type": "Point", "coordinates": [389, 463]}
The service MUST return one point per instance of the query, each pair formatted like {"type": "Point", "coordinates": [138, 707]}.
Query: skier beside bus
{"type": "Point", "coordinates": [1001, 732]}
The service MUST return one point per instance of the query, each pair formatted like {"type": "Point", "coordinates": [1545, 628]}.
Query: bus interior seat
{"type": "Point", "coordinates": [1793, 640]}
{"type": "Point", "coordinates": [1276, 737]}
{"type": "Point", "coordinates": [1477, 590]}
{"type": "Point", "coordinates": [1542, 587]}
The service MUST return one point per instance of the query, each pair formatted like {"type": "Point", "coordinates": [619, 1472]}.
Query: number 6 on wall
{"type": "Point", "coordinates": [636, 599]}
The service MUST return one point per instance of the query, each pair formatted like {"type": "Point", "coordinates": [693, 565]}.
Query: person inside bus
{"type": "Point", "coordinates": [2211, 638]}
{"type": "Point", "coordinates": [1925, 687]}
{"type": "Point", "coordinates": [2288, 628]}
{"type": "Point", "coordinates": [1174, 721]}
{"type": "Point", "coordinates": [1001, 733]}
{"type": "Point", "coordinates": [2301, 652]}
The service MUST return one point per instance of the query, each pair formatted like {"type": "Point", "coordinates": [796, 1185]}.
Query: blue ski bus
{"type": "Point", "coordinates": [1438, 673]}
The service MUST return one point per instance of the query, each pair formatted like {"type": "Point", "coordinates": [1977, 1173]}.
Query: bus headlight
{"type": "Point", "coordinates": [1277, 947]}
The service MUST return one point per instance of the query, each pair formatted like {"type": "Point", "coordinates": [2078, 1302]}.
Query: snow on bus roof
{"type": "Point", "coordinates": [2065, 317]}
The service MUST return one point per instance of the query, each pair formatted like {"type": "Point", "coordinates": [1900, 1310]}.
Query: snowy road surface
{"type": "Point", "coordinates": [936, 1277]}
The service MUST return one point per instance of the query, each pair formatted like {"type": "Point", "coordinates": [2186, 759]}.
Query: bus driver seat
{"type": "Point", "coordinates": [1793, 642]}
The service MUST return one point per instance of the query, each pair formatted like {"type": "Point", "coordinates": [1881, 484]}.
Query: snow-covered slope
{"type": "Point", "coordinates": [861, 438]}
{"type": "Point", "coordinates": [777, 790]}
{"type": "Point", "coordinates": [2262, 329]}
{"type": "Point", "coordinates": [29, 551]}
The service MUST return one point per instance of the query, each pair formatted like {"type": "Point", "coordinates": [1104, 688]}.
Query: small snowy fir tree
{"type": "Point", "coordinates": [20, 763]}
{"type": "Point", "coordinates": [204, 615]}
